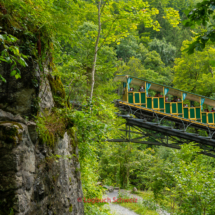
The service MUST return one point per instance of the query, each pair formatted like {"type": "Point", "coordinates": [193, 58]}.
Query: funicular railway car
{"type": "Point", "coordinates": [160, 101]}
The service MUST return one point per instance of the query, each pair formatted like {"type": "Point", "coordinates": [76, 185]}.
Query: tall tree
{"type": "Point", "coordinates": [96, 50]}
{"type": "Point", "coordinates": [201, 16]}
{"type": "Point", "coordinates": [116, 18]}
{"type": "Point", "coordinates": [194, 73]}
{"type": "Point", "coordinates": [166, 50]}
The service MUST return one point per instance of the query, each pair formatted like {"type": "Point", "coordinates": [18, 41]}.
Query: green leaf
{"type": "Point", "coordinates": [2, 37]}
{"type": "Point", "coordinates": [14, 65]}
{"type": "Point", "coordinates": [212, 63]}
{"type": "Point", "coordinates": [18, 71]}
{"type": "Point", "coordinates": [23, 62]}
{"type": "Point", "coordinates": [204, 38]}
{"type": "Point", "coordinates": [186, 11]}
{"type": "Point", "coordinates": [184, 22]}
{"type": "Point", "coordinates": [13, 73]}
{"type": "Point", "coordinates": [17, 76]}
{"type": "Point", "coordinates": [2, 59]}
{"type": "Point", "coordinates": [1, 78]}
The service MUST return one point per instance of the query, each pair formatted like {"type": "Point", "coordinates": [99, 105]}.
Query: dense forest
{"type": "Point", "coordinates": [86, 43]}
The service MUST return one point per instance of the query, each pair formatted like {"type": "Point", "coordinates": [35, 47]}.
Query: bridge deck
{"type": "Point", "coordinates": [139, 110]}
{"type": "Point", "coordinates": [149, 124]}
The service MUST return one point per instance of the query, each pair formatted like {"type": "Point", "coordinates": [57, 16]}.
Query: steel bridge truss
{"type": "Point", "coordinates": [149, 127]}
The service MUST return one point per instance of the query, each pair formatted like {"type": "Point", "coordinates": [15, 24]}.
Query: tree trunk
{"type": "Point", "coordinates": [96, 50]}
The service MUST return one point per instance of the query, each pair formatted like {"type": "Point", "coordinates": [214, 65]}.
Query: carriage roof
{"type": "Point", "coordinates": [159, 88]}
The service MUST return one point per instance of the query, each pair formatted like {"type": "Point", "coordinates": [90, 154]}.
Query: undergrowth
{"type": "Point", "coordinates": [52, 125]}
{"type": "Point", "coordinates": [147, 206]}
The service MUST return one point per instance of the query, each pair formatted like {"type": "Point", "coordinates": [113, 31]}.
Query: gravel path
{"type": "Point", "coordinates": [119, 210]}
{"type": "Point", "coordinates": [115, 208]}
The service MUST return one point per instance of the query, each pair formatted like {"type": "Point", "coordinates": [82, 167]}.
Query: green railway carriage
{"type": "Point", "coordinates": [159, 103]}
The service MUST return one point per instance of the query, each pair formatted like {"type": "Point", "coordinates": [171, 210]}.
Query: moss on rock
{"type": "Point", "coordinates": [71, 133]}
{"type": "Point", "coordinates": [10, 133]}
{"type": "Point", "coordinates": [51, 126]}
{"type": "Point", "coordinates": [13, 123]}
{"type": "Point", "coordinates": [70, 208]}
{"type": "Point", "coordinates": [57, 90]}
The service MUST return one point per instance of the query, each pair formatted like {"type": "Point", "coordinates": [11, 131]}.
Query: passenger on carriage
{"type": "Point", "coordinates": [158, 94]}
{"type": "Point", "coordinates": [131, 89]}
{"type": "Point", "coordinates": [141, 89]}
{"type": "Point", "coordinates": [175, 99]}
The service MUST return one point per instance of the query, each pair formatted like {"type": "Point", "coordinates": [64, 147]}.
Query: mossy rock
{"type": "Point", "coordinates": [58, 91]}
{"type": "Point", "coordinates": [10, 133]}
{"type": "Point", "coordinates": [13, 123]}
{"type": "Point", "coordinates": [70, 208]}
{"type": "Point", "coordinates": [51, 127]}
{"type": "Point", "coordinates": [71, 133]}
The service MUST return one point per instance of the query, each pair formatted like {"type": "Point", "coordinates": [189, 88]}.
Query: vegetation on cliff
{"type": "Point", "coordinates": [85, 43]}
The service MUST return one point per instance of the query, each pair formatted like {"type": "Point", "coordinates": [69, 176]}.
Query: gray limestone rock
{"type": "Point", "coordinates": [45, 95]}
{"type": "Point", "coordinates": [32, 129]}
{"type": "Point", "coordinates": [18, 96]}
{"type": "Point", "coordinates": [110, 189]}
{"type": "Point", "coordinates": [134, 189]}
{"type": "Point", "coordinates": [31, 181]}
{"type": "Point", "coordinates": [6, 116]}
{"type": "Point", "coordinates": [27, 95]}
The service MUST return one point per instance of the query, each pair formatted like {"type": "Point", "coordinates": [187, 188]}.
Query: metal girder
{"type": "Point", "coordinates": [151, 115]}
{"type": "Point", "coordinates": [171, 131]}
{"type": "Point", "coordinates": [208, 153]}
{"type": "Point", "coordinates": [154, 133]}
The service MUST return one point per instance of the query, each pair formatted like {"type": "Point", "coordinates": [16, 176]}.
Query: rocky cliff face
{"type": "Point", "coordinates": [34, 178]}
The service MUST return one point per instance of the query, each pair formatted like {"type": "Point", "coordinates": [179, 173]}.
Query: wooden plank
{"type": "Point", "coordinates": [149, 102]}
{"type": "Point", "coordinates": [192, 113]}
{"type": "Point", "coordinates": [143, 98]}
{"type": "Point", "coordinates": [130, 98]}
{"type": "Point", "coordinates": [155, 103]}
{"type": "Point", "coordinates": [198, 114]}
{"type": "Point", "coordinates": [185, 113]}
{"type": "Point", "coordinates": [180, 108]}
{"type": "Point", "coordinates": [210, 118]}
{"type": "Point", "coordinates": [137, 97]}
{"type": "Point", "coordinates": [174, 107]}
{"type": "Point", "coordinates": [167, 106]}
{"type": "Point", "coordinates": [161, 103]}
{"type": "Point", "coordinates": [214, 116]}
{"type": "Point", "coordinates": [204, 118]}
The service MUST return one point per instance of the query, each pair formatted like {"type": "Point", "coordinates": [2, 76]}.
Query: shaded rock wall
{"type": "Point", "coordinates": [19, 96]}
{"type": "Point", "coordinates": [32, 179]}
{"type": "Point", "coordinates": [27, 95]}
